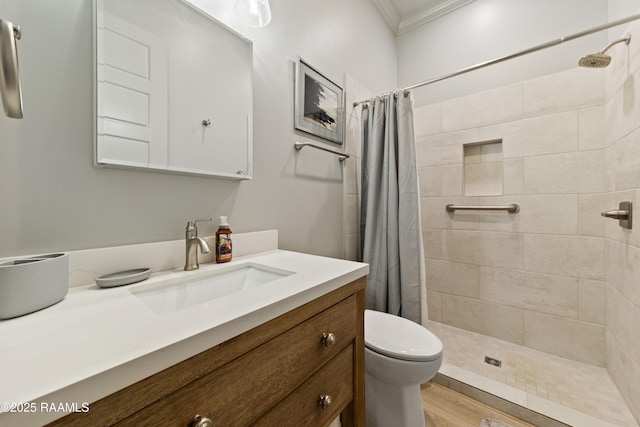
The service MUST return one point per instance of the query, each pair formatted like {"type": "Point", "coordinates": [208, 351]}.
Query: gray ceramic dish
{"type": "Point", "coordinates": [122, 278]}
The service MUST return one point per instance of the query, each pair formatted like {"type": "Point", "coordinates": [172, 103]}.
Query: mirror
{"type": "Point", "coordinates": [174, 90]}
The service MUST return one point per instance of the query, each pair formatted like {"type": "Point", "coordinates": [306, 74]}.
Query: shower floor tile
{"type": "Point", "coordinates": [571, 392]}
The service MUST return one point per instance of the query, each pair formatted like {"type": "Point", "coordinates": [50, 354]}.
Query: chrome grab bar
{"type": "Point", "coordinates": [300, 145]}
{"type": "Point", "coordinates": [512, 208]}
{"type": "Point", "coordinates": [9, 71]}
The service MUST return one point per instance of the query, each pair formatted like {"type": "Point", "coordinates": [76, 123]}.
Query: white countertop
{"type": "Point", "coordinates": [97, 341]}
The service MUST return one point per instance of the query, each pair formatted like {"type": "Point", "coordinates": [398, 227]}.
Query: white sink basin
{"type": "Point", "coordinates": [175, 294]}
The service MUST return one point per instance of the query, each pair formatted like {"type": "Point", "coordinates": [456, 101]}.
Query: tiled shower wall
{"type": "Point", "coordinates": [556, 276]}
{"type": "Point", "coordinates": [622, 247]}
{"type": "Point", "coordinates": [535, 277]}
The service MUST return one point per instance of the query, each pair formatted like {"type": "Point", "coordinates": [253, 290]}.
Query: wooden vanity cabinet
{"type": "Point", "coordinates": [303, 368]}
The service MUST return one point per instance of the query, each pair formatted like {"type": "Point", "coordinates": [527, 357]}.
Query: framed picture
{"type": "Point", "coordinates": [319, 104]}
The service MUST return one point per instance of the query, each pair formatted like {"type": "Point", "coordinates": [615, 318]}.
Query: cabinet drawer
{"type": "Point", "coordinates": [241, 391]}
{"type": "Point", "coordinates": [303, 408]}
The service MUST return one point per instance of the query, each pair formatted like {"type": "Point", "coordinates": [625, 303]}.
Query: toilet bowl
{"type": "Point", "coordinates": [399, 356]}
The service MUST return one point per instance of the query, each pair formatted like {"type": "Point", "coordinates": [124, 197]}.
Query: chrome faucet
{"type": "Point", "coordinates": [191, 240]}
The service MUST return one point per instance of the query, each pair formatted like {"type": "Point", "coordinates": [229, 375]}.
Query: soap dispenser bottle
{"type": "Point", "coordinates": [223, 241]}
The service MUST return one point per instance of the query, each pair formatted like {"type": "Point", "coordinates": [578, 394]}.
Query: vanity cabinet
{"type": "Point", "coordinates": [303, 368]}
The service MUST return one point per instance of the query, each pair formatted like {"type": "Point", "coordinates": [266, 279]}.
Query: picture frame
{"type": "Point", "coordinates": [318, 105]}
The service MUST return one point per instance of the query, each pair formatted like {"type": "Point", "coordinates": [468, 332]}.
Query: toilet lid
{"type": "Point", "coordinates": [399, 338]}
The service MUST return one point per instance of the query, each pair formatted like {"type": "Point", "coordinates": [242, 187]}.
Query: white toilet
{"type": "Point", "coordinates": [399, 356]}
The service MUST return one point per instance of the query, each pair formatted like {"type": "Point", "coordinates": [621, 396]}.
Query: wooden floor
{"type": "Point", "coordinates": [444, 407]}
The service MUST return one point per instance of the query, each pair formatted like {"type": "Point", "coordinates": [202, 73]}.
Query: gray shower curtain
{"type": "Point", "coordinates": [390, 228]}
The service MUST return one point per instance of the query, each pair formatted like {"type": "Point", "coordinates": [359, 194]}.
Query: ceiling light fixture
{"type": "Point", "coordinates": [256, 13]}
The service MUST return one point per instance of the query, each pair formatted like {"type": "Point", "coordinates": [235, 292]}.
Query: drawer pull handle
{"type": "Point", "coordinates": [328, 339]}
{"type": "Point", "coordinates": [324, 401]}
{"type": "Point", "coordinates": [199, 421]}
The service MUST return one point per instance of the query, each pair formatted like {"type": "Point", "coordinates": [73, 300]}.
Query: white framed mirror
{"type": "Point", "coordinates": [174, 90]}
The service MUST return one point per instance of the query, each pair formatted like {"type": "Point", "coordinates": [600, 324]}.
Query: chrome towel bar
{"type": "Point", "coordinates": [512, 208]}
{"type": "Point", "coordinates": [341, 156]}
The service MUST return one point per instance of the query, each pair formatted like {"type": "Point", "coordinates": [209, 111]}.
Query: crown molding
{"type": "Point", "coordinates": [389, 13]}
{"type": "Point", "coordinates": [402, 25]}
{"type": "Point", "coordinates": [429, 14]}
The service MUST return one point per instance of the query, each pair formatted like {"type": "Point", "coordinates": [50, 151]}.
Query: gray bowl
{"type": "Point", "coordinates": [31, 284]}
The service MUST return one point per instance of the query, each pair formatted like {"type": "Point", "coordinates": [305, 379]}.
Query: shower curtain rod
{"type": "Point", "coordinates": [512, 56]}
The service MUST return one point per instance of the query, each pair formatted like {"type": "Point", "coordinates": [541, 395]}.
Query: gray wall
{"type": "Point", "coordinates": [490, 29]}
{"type": "Point", "coordinates": [53, 199]}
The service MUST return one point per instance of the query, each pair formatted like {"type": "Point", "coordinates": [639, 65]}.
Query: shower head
{"type": "Point", "coordinates": [599, 59]}
{"type": "Point", "coordinates": [595, 60]}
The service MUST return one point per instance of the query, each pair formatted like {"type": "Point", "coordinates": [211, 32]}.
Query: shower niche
{"type": "Point", "coordinates": [483, 168]}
